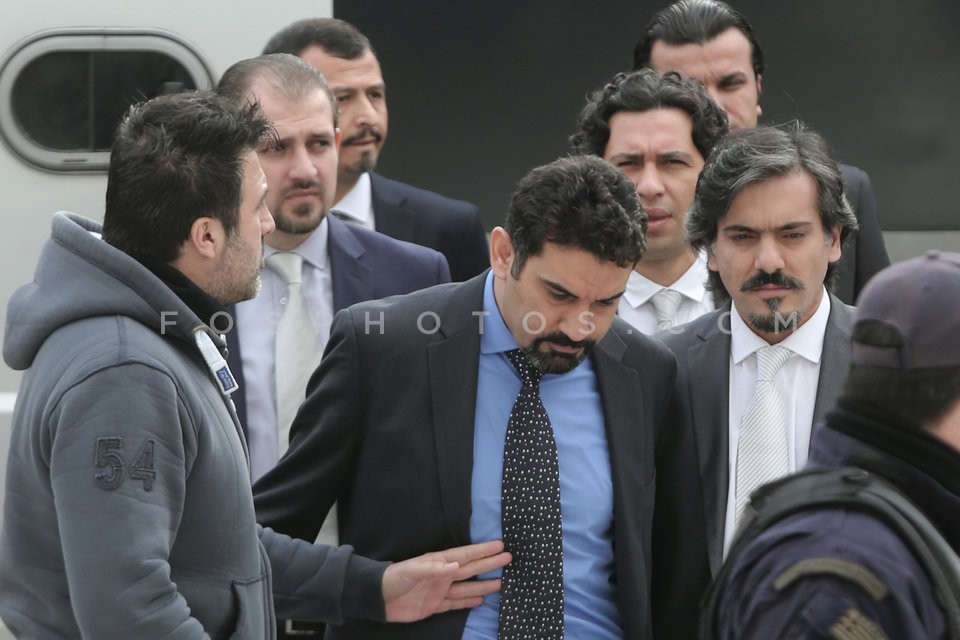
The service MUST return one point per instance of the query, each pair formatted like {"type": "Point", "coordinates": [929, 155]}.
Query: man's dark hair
{"type": "Point", "coordinates": [695, 22]}
{"type": "Point", "coordinates": [290, 76]}
{"type": "Point", "coordinates": [756, 155]}
{"type": "Point", "coordinates": [915, 396]}
{"type": "Point", "coordinates": [581, 202]}
{"type": "Point", "coordinates": [175, 159]}
{"type": "Point", "coordinates": [646, 90]}
{"type": "Point", "coordinates": [337, 37]}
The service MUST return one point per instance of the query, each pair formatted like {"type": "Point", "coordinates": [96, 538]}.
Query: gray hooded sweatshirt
{"type": "Point", "coordinates": [128, 511]}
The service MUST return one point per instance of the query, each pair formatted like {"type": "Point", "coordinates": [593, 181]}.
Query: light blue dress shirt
{"type": "Point", "coordinates": [572, 401]}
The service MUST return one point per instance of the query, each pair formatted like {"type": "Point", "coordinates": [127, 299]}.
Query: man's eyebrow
{"type": "Point", "coordinates": [789, 226]}
{"type": "Point", "coordinates": [678, 154]}
{"type": "Point", "coordinates": [614, 297]}
{"type": "Point", "coordinates": [556, 286]}
{"type": "Point", "coordinates": [559, 288]}
{"type": "Point", "coordinates": [733, 75]}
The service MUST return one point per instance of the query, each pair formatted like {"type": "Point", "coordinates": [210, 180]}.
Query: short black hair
{"type": "Point", "coordinates": [646, 90]}
{"type": "Point", "coordinates": [695, 22]}
{"type": "Point", "coordinates": [577, 201]}
{"type": "Point", "coordinates": [175, 159]}
{"type": "Point", "coordinates": [337, 37]}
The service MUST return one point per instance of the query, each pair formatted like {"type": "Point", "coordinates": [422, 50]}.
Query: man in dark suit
{"type": "Point", "coordinates": [348, 62]}
{"type": "Point", "coordinates": [713, 42]}
{"type": "Point", "coordinates": [771, 214]}
{"type": "Point", "coordinates": [342, 263]}
{"type": "Point", "coordinates": [658, 129]}
{"type": "Point", "coordinates": [405, 421]}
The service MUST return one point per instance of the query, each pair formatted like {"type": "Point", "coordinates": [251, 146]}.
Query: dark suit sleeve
{"type": "Point", "coordinates": [474, 254]}
{"type": "Point", "coordinates": [871, 253]}
{"type": "Point", "coordinates": [442, 269]}
{"type": "Point", "coordinates": [681, 568]}
{"type": "Point", "coordinates": [295, 496]}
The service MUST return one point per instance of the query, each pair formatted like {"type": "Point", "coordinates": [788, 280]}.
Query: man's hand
{"type": "Point", "coordinates": [440, 581]}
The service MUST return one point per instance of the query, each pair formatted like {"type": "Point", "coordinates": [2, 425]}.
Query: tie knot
{"type": "Point", "coordinates": [665, 304]}
{"type": "Point", "coordinates": [529, 374]}
{"type": "Point", "coordinates": [770, 359]}
{"type": "Point", "coordinates": [288, 264]}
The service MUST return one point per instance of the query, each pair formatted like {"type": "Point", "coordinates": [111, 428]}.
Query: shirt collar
{"type": "Point", "coordinates": [692, 284]}
{"type": "Point", "coordinates": [806, 341]}
{"type": "Point", "coordinates": [313, 249]}
{"type": "Point", "coordinates": [496, 337]}
{"type": "Point", "coordinates": [357, 203]}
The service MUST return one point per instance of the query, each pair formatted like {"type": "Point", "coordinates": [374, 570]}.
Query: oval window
{"type": "Point", "coordinates": [63, 93]}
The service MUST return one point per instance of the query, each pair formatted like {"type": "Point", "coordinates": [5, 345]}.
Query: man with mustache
{"type": "Point", "coordinates": [347, 60]}
{"type": "Point", "coordinates": [711, 41]}
{"type": "Point", "coordinates": [770, 212]}
{"type": "Point", "coordinates": [342, 263]}
{"type": "Point", "coordinates": [406, 421]}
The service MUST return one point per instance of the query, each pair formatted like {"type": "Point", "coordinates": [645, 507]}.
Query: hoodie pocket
{"type": "Point", "coordinates": [253, 617]}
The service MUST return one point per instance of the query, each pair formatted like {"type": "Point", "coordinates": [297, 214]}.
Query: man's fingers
{"type": "Point", "coordinates": [472, 588]}
{"type": "Point", "coordinates": [463, 595]}
{"type": "Point", "coordinates": [468, 553]}
{"type": "Point", "coordinates": [463, 603]}
{"type": "Point", "coordinates": [483, 565]}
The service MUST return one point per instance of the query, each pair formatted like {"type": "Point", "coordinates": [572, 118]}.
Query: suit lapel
{"type": "Point", "coordinates": [835, 358]}
{"type": "Point", "coordinates": [352, 278]}
{"type": "Point", "coordinates": [622, 404]}
{"type": "Point", "coordinates": [708, 364]}
{"type": "Point", "coordinates": [453, 368]}
{"type": "Point", "coordinates": [621, 398]}
{"type": "Point", "coordinates": [392, 217]}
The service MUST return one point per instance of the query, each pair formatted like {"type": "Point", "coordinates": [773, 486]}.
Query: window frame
{"type": "Point", "coordinates": [89, 40]}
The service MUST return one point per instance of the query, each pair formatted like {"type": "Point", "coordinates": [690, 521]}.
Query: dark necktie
{"type": "Point", "coordinates": [531, 595]}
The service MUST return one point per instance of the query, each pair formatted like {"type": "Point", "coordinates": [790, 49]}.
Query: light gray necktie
{"type": "Point", "coordinates": [763, 452]}
{"type": "Point", "coordinates": [299, 350]}
{"type": "Point", "coordinates": [665, 304]}
{"type": "Point", "coordinates": [299, 345]}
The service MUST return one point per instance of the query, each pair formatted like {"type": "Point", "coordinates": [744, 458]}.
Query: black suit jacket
{"type": "Point", "coordinates": [452, 227]}
{"type": "Point", "coordinates": [387, 432]}
{"type": "Point", "coordinates": [689, 550]}
{"type": "Point", "coordinates": [364, 265]}
{"type": "Point", "coordinates": [865, 253]}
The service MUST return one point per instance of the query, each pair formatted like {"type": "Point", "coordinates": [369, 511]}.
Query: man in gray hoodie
{"type": "Point", "coordinates": [128, 511]}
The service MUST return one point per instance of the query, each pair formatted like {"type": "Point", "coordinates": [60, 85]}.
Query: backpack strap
{"type": "Point", "coordinates": [850, 488]}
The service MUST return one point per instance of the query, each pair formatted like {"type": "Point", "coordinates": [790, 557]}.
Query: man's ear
{"type": "Point", "coordinates": [501, 252]}
{"type": "Point", "coordinates": [711, 257]}
{"type": "Point", "coordinates": [759, 93]}
{"type": "Point", "coordinates": [834, 243]}
{"type": "Point", "coordinates": [206, 237]}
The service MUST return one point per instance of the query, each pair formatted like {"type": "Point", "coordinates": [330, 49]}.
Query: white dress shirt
{"type": "Point", "coordinates": [796, 381]}
{"type": "Point", "coordinates": [356, 205]}
{"type": "Point", "coordinates": [637, 309]}
{"type": "Point", "coordinates": [257, 321]}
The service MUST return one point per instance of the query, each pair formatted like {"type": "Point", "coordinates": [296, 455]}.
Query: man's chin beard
{"type": "Point", "coordinates": [776, 321]}
{"type": "Point", "coordinates": [294, 225]}
{"type": "Point", "coordinates": [556, 362]}
{"type": "Point", "coordinates": [366, 164]}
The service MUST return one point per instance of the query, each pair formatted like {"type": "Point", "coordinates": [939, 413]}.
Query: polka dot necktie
{"type": "Point", "coordinates": [531, 595]}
